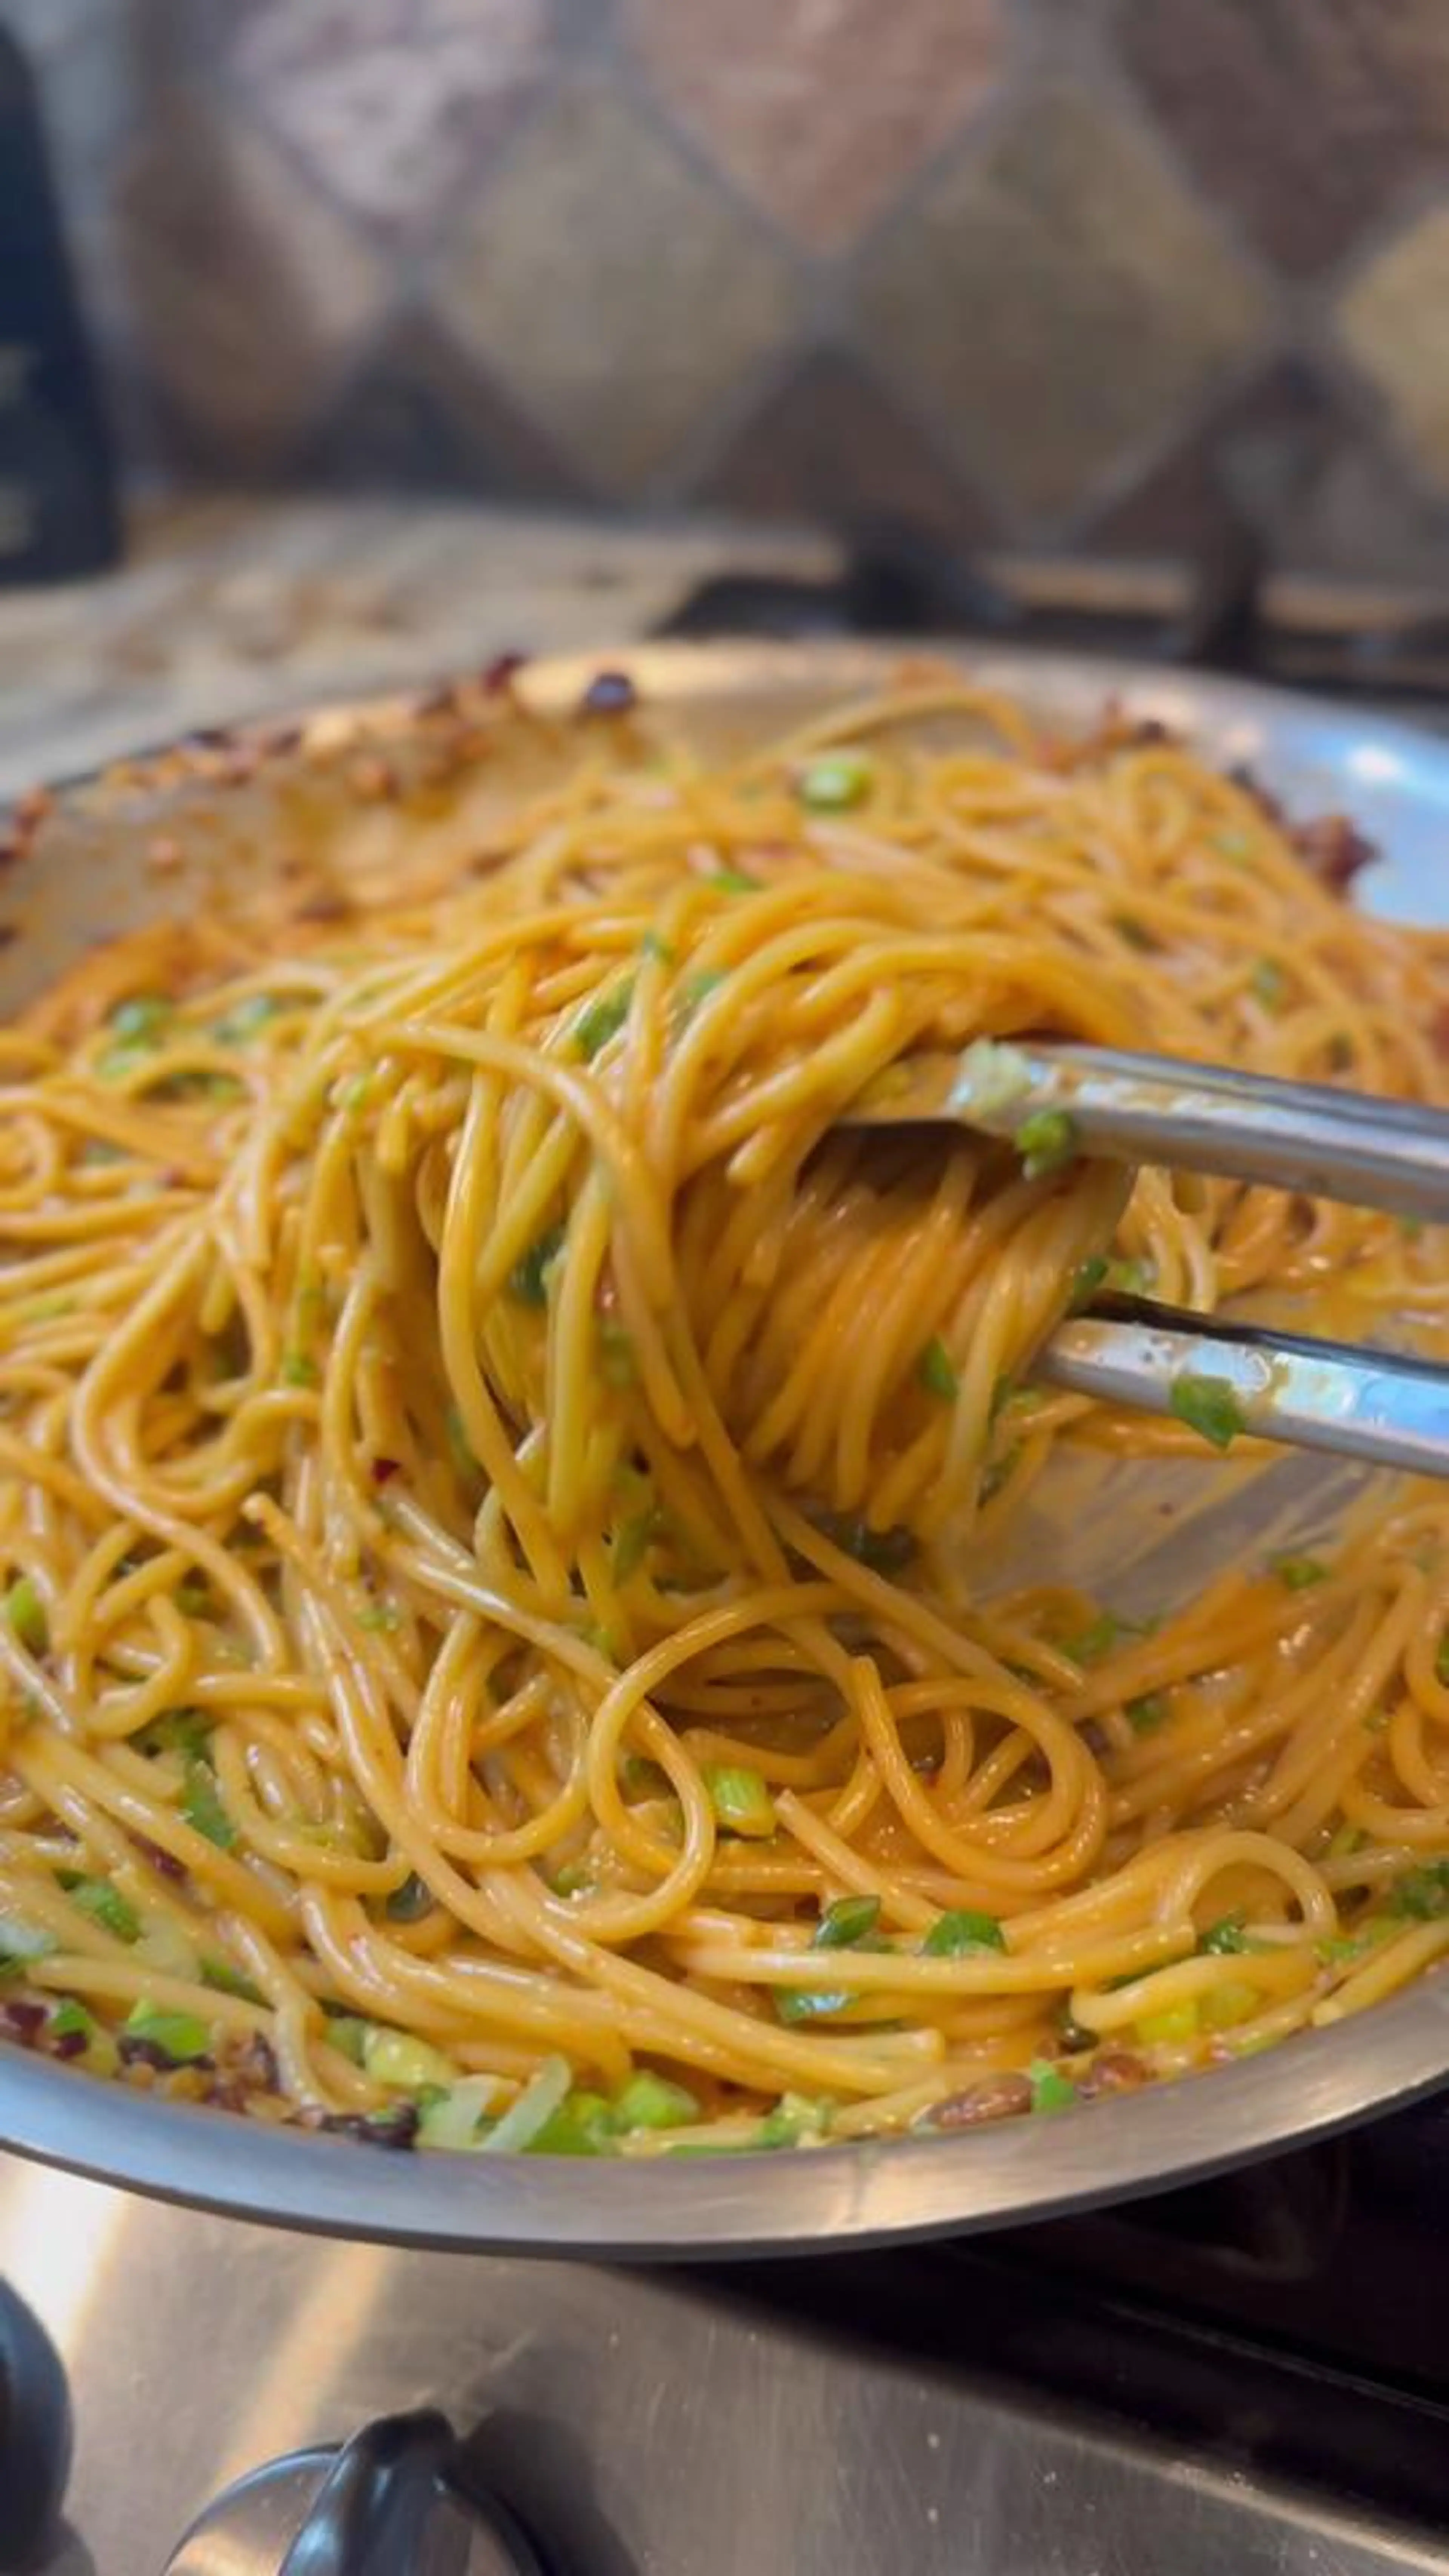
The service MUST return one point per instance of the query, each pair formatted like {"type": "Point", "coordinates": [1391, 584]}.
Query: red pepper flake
{"type": "Point", "coordinates": [498, 676]}
{"type": "Point", "coordinates": [609, 693]}
{"type": "Point", "coordinates": [384, 1470]}
{"type": "Point", "coordinates": [165, 1862]}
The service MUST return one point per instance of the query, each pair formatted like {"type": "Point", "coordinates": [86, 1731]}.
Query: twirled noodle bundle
{"type": "Point", "coordinates": [490, 1483]}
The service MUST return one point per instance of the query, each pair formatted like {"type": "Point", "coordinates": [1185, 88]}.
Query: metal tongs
{"type": "Point", "coordinates": [1298, 1136]}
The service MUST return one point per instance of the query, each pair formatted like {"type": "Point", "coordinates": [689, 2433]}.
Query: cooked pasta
{"type": "Point", "coordinates": [496, 1488]}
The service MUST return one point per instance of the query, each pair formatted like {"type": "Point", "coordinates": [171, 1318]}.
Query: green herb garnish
{"type": "Point", "coordinates": [142, 1020]}
{"type": "Point", "coordinates": [936, 1370]}
{"type": "Point", "coordinates": [107, 1906]}
{"type": "Point", "coordinates": [650, 2101]}
{"type": "Point", "coordinates": [178, 2035]}
{"type": "Point", "coordinates": [1208, 1406]}
{"type": "Point", "coordinates": [1051, 2091]}
{"type": "Point", "coordinates": [242, 1022]}
{"type": "Point", "coordinates": [957, 1934]}
{"type": "Point", "coordinates": [1046, 1142]}
{"type": "Point", "coordinates": [847, 1923]}
{"type": "Point", "coordinates": [1145, 1713]}
{"type": "Point", "coordinates": [1422, 1894]}
{"type": "Point", "coordinates": [1229, 1938]}
{"type": "Point", "coordinates": [25, 1611]}
{"type": "Point", "coordinates": [297, 1369]}
{"type": "Point", "coordinates": [528, 1279]}
{"type": "Point", "coordinates": [202, 1807]}
{"type": "Point", "coordinates": [224, 1979]}
{"type": "Point", "coordinates": [603, 1020]}
{"type": "Point", "coordinates": [1299, 1572]}
{"type": "Point", "coordinates": [741, 1800]}
{"type": "Point", "coordinates": [616, 1354]}
{"type": "Point", "coordinates": [733, 881]}
{"type": "Point", "coordinates": [834, 783]}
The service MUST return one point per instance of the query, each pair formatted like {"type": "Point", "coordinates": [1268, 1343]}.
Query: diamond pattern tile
{"type": "Point", "coordinates": [614, 293]}
{"type": "Point", "coordinates": [831, 445]}
{"type": "Point", "coordinates": [249, 294]}
{"type": "Point", "coordinates": [391, 104]}
{"type": "Point", "coordinates": [1058, 304]}
{"type": "Point", "coordinates": [1305, 116]}
{"type": "Point", "coordinates": [418, 417]}
{"type": "Point", "coordinates": [820, 110]}
{"type": "Point", "coordinates": [1393, 319]}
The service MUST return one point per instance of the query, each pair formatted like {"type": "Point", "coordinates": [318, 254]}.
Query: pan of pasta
{"type": "Point", "coordinates": [561, 1684]}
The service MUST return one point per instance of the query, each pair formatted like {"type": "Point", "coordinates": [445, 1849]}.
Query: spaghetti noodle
{"type": "Point", "coordinates": [492, 1486]}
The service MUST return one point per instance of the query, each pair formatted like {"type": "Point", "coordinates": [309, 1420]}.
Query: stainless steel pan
{"type": "Point", "coordinates": [122, 852]}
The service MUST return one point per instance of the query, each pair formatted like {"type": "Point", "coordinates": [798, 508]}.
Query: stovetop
{"type": "Point", "coordinates": [1071, 2400]}
{"type": "Point", "coordinates": [1247, 2379]}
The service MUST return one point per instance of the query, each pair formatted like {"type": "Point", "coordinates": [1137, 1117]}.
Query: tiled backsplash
{"type": "Point", "coordinates": [1104, 271]}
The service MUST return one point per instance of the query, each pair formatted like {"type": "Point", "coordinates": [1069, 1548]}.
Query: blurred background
{"type": "Point", "coordinates": [1024, 269]}
{"type": "Point", "coordinates": [1126, 281]}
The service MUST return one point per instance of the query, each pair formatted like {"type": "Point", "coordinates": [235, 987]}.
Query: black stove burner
{"type": "Point", "coordinates": [1228, 612]}
{"type": "Point", "coordinates": [35, 2438]}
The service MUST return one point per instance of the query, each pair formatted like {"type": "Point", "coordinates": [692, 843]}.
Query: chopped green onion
{"type": "Point", "coordinates": [796, 2116]}
{"type": "Point", "coordinates": [244, 1019]}
{"type": "Point", "coordinates": [806, 2003]}
{"type": "Point", "coordinates": [107, 1906]}
{"type": "Point", "coordinates": [1051, 2091]}
{"type": "Point", "coordinates": [603, 1020]}
{"type": "Point", "coordinates": [636, 1537]}
{"type": "Point", "coordinates": [394, 2057]}
{"type": "Point", "coordinates": [202, 1807]}
{"type": "Point", "coordinates": [1422, 1894]}
{"type": "Point", "coordinates": [833, 784]}
{"type": "Point", "coordinates": [583, 2125]}
{"type": "Point", "coordinates": [651, 2102]}
{"type": "Point", "coordinates": [1299, 1572]}
{"type": "Point", "coordinates": [883, 1551]}
{"type": "Point", "coordinates": [1087, 1278]}
{"type": "Point", "coordinates": [528, 1279]}
{"type": "Point", "coordinates": [70, 2020]}
{"type": "Point", "coordinates": [651, 945]}
{"type": "Point", "coordinates": [846, 1923]}
{"type": "Point", "coordinates": [297, 1369]}
{"type": "Point", "coordinates": [25, 1612]}
{"type": "Point", "coordinates": [957, 1934]}
{"type": "Point", "coordinates": [347, 2033]}
{"type": "Point", "coordinates": [936, 1370]}
{"type": "Point", "coordinates": [193, 1600]}
{"type": "Point", "coordinates": [1208, 1406]}
{"type": "Point", "coordinates": [1098, 1640]}
{"type": "Point", "coordinates": [1269, 983]}
{"type": "Point", "coordinates": [410, 1902]}
{"type": "Point", "coordinates": [733, 881]}
{"type": "Point", "coordinates": [224, 1979]}
{"type": "Point", "coordinates": [1131, 1278]}
{"type": "Point", "coordinates": [1228, 1938]}
{"type": "Point", "coordinates": [22, 1942]}
{"type": "Point", "coordinates": [380, 1615]}
{"type": "Point", "coordinates": [741, 1800]}
{"type": "Point", "coordinates": [616, 1354]}
{"type": "Point", "coordinates": [178, 2035]}
{"type": "Point", "coordinates": [450, 2119]}
{"type": "Point", "coordinates": [992, 1076]}
{"type": "Point", "coordinates": [177, 1730]}
{"type": "Point", "coordinates": [643, 1778]}
{"type": "Point", "coordinates": [142, 1020]}
{"type": "Point", "coordinates": [531, 2111]}
{"type": "Point", "coordinates": [1146, 1712]}
{"type": "Point", "coordinates": [1046, 1142]}
{"type": "Point", "coordinates": [698, 988]}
